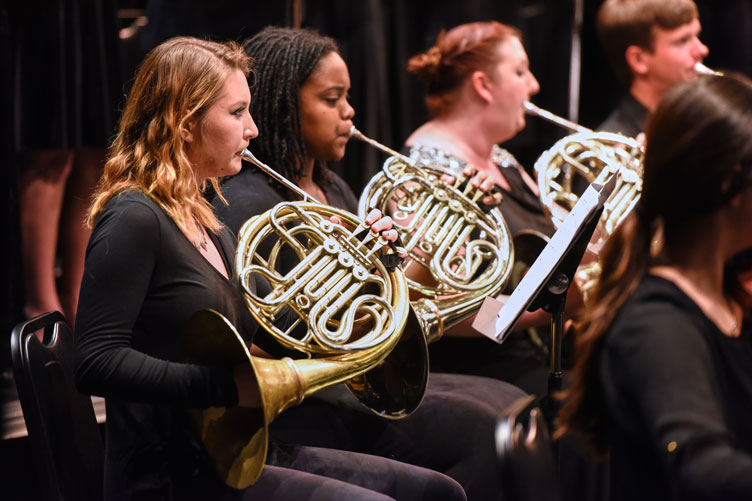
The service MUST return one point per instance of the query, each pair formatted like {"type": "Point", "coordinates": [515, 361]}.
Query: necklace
{"type": "Point", "coordinates": [734, 325]}
{"type": "Point", "coordinates": [712, 307]}
{"type": "Point", "coordinates": [202, 241]}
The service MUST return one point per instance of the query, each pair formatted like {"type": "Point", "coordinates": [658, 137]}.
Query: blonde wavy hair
{"type": "Point", "coordinates": [177, 81]}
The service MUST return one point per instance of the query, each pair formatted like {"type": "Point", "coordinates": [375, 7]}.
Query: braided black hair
{"type": "Point", "coordinates": [285, 58]}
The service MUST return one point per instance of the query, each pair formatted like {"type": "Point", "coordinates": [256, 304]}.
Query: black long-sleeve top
{"type": "Point", "coordinates": [678, 397]}
{"type": "Point", "coordinates": [142, 281]}
{"type": "Point", "coordinates": [628, 118]}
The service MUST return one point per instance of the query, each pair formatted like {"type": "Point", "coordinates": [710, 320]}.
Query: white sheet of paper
{"type": "Point", "coordinates": [495, 319]}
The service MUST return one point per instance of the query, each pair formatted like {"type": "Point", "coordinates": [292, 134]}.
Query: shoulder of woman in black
{"type": "Point", "coordinates": [339, 194]}
{"type": "Point", "coordinates": [248, 193]}
{"type": "Point", "coordinates": [666, 393]}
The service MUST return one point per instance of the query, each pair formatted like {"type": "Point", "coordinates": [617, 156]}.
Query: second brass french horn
{"type": "Point", "coordinates": [466, 250]}
{"type": "Point", "coordinates": [350, 311]}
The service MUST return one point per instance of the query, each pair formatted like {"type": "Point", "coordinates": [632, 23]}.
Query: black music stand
{"type": "Point", "coordinates": [546, 283]}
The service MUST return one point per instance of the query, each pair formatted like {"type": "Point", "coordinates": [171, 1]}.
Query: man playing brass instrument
{"type": "Point", "coordinates": [651, 45]}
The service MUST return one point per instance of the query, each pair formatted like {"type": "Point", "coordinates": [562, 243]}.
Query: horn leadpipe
{"type": "Point", "coordinates": [247, 155]}
{"type": "Point", "coordinates": [532, 109]}
{"type": "Point", "coordinates": [555, 119]}
{"type": "Point", "coordinates": [354, 132]}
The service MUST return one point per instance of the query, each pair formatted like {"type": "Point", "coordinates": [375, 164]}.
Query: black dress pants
{"type": "Point", "coordinates": [452, 431]}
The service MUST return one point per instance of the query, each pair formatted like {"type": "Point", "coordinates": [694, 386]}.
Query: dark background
{"type": "Point", "coordinates": [376, 38]}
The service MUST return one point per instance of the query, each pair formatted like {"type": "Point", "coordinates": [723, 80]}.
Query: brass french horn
{"type": "Point", "coordinates": [350, 311]}
{"type": "Point", "coordinates": [577, 160]}
{"type": "Point", "coordinates": [592, 157]}
{"type": "Point", "coordinates": [467, 251]}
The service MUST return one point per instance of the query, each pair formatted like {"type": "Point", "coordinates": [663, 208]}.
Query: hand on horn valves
{"type": "Point", "coordinates": [478, 180]}
{"type": "Point", "coordinates": [381, 225]}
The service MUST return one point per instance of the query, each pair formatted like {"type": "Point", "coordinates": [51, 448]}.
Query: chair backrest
{"type": "Point", "coordinates": [525, 454]}
{"type": "Point", "coordinates": [61, 423]}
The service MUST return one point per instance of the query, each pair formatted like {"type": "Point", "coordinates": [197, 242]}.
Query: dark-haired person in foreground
{"type": "Point", "coordinates": [663, 381]}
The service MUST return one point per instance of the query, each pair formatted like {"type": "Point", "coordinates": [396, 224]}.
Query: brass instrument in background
{"type": "Point", "coordinates": [586, 157]}
{"type": "Point", "coordinates": [572, 163]}
{"type": "Point", "coordinates": [467, 251]}
{"type": "Point", "coordinates": [701, 69]}
{"type": "Point", "coordinates": [590, 157]}
{"type": "Point", "coordinates": [351, 314]}
{"type": "Point", "coordinates": [594, 157]}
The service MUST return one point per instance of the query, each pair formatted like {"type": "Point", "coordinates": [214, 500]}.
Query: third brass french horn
{"type": "Point", "coordinates": [577, 160]}
{"type": "Point", "coordinates": [463, 252]}
{"type": "Point", "coordinates": [591, 156]}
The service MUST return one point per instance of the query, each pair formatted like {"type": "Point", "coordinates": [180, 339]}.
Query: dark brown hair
{"type": "Point", "coordinates": [622, 23]}
{"type": "Point", "coordinates": [698, 157]}
{"type": "Point", "coordinates": [285, 58]}
{"type": "Point", "coordinates": [455, 56]}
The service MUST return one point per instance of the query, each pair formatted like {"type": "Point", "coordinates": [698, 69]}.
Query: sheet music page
{"type": "Point", "coordinates": [496, 318]}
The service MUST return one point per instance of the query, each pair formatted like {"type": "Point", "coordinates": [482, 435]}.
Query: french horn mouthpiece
{"type": "Point", "coordinates": [701, 69]}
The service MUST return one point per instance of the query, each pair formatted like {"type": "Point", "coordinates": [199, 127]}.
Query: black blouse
{"type": "Point", "coordinates": [677, 394]}
{"type": "Point", "coordinates": [628, 118]}
{"type": "Point", "coordinates": [142, 280]}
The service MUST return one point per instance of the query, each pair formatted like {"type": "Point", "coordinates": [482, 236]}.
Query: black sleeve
{"type": "Point", "coordinates": [340, 195]}
{"type": "Point", "coordinates": [116, 281]}
{"type": "Point", "coordinates": [660, 363]}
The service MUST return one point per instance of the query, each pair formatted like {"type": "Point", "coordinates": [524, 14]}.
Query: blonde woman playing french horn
{"type": "Point", "coordinates": [158, 254]}
{"type": "Point", "coordinates": [301, 105]}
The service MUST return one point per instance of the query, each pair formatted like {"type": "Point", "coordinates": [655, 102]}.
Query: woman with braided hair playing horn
{"type": "Point", "coordinates": [301, 104]}
{"type": "Point", "coordinates": [158, 254]}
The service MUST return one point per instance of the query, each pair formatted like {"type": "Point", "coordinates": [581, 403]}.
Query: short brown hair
{"type": "Point", "coordinates": [622, 23]}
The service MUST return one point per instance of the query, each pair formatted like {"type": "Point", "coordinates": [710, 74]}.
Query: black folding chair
{"type": "Point", "coordinates": [61, 423]}
{"type": "Point", "coordinates": [525, 454]}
